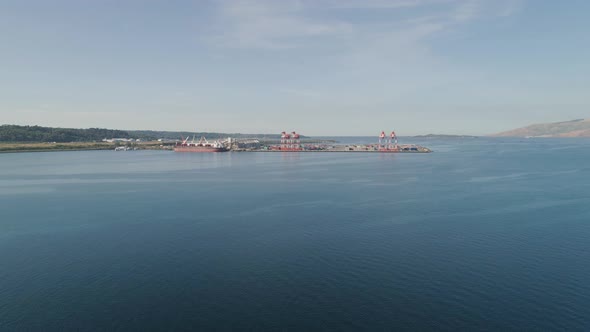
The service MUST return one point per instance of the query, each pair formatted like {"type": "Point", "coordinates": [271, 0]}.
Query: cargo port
{"type": "Point", "coordinates": [293, 143]}
{"type": "Point", "coordinates": [200, 146]}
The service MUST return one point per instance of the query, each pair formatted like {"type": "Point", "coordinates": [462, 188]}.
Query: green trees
{"type": "Point", "coordinates": [13, 133]}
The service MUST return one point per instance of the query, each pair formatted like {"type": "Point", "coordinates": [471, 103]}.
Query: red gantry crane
{"type": "Point", "coordinates": [388, 144]}
{"type": "Point", "coordinates": [290, 142]}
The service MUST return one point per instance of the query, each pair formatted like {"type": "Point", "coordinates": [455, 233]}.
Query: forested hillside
{"type": "Point", "coordinates": [13, 133]}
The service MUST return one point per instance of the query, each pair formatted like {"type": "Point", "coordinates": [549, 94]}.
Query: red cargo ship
{"type": "Point", "coordinates": [201, 146]}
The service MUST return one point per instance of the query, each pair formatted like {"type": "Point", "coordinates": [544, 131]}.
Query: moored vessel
{"type": "Point", "coordinates": [201, 146]}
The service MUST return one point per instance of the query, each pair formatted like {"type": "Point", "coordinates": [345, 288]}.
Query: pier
{"type": "Point", "coordinates": [344, 148]}
{"type": "Point", "coordinates": [291, 142]}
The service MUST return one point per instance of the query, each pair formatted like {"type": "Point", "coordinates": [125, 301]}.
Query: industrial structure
{"type": "Point", "coordinates": [292, 142]}
{"type": "Point", "coordinates": [289, 142]}
{"type": "Point", "coordinates": [201, 146]}
{"type": "Point", "coordinates": [388, 144]}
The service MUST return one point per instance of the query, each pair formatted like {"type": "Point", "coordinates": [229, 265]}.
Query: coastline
{"type": "Point", "coordinates": [72, 146]}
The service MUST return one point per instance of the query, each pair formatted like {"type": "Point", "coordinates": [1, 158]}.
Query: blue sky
{"type": "Point", "coordinates": [321, 67]}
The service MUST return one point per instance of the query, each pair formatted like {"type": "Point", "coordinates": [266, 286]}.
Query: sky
{"type": "Point", "coordinates": [320, 67]}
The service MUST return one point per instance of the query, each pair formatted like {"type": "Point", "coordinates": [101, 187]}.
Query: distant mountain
{"type": "Point", "coordinates": [574, 128]}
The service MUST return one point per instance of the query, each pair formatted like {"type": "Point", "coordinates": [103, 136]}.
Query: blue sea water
{"type": "Point", "coordinates": [482, 234]}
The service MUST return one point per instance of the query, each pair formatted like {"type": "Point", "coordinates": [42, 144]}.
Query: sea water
{"type": "Point", "coordinates": [481, 234]}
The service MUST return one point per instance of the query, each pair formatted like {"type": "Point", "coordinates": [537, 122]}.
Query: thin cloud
{"type": "Point", "coordinates": [299, 92]}
{"type": "Point", "coordinates": [266, 24]}
{"type": "Point", "coordinates": [381, 4]}
{"type": "Point", "coordinates": [467, 10]}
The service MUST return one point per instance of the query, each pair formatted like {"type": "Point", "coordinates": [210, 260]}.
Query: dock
{"type": "Point", "coordinates": [292, 142]}
{"type": "Point", "coordinates": [339, 148]}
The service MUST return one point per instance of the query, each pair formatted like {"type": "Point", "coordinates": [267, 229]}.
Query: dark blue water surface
{"type": "Point", "coordinates": [481, 234]}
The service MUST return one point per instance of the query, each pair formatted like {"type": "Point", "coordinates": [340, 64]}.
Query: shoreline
{"type": "Point", "coordinates": [56, 150]}
{"type": "Point", "coordinates": [72, 146]}
{"type": "Point", "coordinates": [154, 146]}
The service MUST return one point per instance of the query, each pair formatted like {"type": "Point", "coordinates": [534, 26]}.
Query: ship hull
{"type": "Point", "coordinates": [198, 149]}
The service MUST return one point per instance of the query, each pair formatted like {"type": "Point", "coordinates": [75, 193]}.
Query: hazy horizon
{"type": "Point", "coordinates": [322, 68]}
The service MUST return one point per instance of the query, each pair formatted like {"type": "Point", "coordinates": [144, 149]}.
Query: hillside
{"type": "Point", "coordinates": [14, 133]}
{"type": "Point", "coordinates": [153, 135]}
{"type": "Point", "coordinates": [574, 128]}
